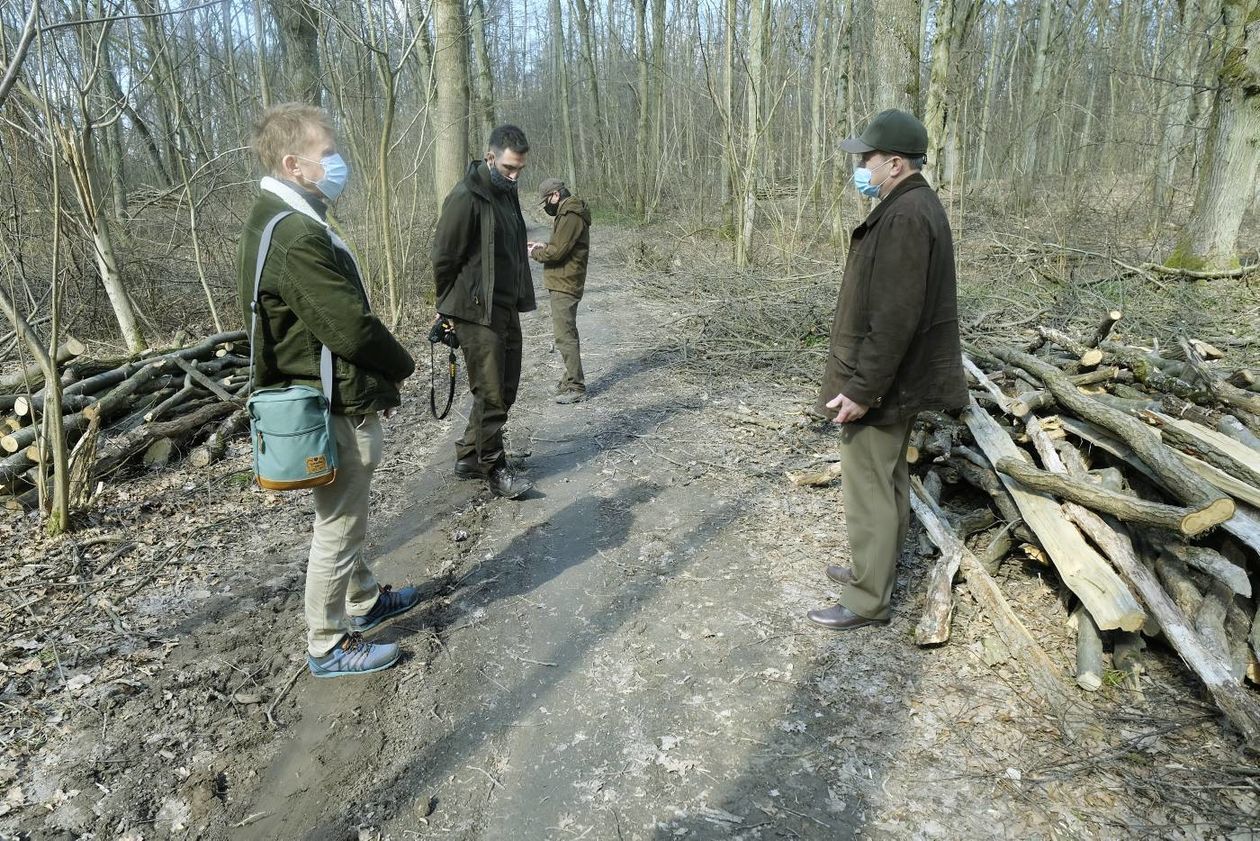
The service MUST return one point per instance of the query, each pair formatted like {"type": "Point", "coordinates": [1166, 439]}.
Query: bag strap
{"type": "Point", "coordinates": [325, 355]}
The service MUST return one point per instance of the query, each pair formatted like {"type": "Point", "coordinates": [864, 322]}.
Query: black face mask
{"type": "Point", "coordinates": [551, 209]}
{"type": "Point", "coordinates": [500, 181]}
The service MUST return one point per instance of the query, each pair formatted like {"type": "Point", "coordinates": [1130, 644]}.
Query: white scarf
{"type": "Point", "coordinates": [294, 199]}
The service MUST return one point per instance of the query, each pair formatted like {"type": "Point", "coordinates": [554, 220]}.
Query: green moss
{"type": "Point", "coordinates": [1183, 258]}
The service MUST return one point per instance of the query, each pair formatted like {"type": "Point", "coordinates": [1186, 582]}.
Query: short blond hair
{"type": "Point", "coordinates": [285, 128]}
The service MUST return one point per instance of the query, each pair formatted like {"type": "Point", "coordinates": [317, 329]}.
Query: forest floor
{"type": "Point", "coordinates": [622, 654]}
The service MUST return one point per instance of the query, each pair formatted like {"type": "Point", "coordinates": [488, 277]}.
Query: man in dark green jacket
{"type": "Point", "coordinates": [310, 297]}
{"type": "Point", "coordinates": [564, 261]}
{"type": "Point", "coordinates": [895, 351]}
{"type": "Point", "coordinates": [481, 274]}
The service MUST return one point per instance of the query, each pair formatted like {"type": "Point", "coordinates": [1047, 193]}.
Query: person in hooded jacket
{"type": "Point", "coordinates": [564, 261]}
{"type": "Point", "coordinates": [481, 274]}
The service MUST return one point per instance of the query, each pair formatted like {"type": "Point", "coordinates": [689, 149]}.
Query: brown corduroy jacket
{"type": "Point", "coordinates": [894, 339]}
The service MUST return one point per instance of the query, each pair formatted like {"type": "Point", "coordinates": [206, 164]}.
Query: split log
{"type": "Point", "coordinates": [1084, 571]}
{"type": "Point", "coordinates": [1042, 674]}
{"type": "Point", "coordinates": [1009, 405]}
{"type": "Point", "coordinates": [1218, 450]}
{"type": "Point", "coordinates": [1105, 327]}
{"type": "Point", "coordinates": [32, 375]}
{"type": "Point", "coordinates": [1186, 485]}
{"type": "Point", "coordinates": [1231, 426]}
{"type": "Point", "coordinates": [1128, 508]}
{"type": "Point", "coordinates": [216, 445]}
{"type": "Point", "coordinates": [1089, 652]}
{"type": "Point", "coordinates": [1239, 705]}
{"type": "Point", "coordinates": [1245, 524]}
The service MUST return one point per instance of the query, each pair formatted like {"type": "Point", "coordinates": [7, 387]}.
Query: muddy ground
{"type": "Point", "coordinates": [623, 654]}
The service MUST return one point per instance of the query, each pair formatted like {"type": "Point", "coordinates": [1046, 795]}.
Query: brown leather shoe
{"type": "Point", "coordinates": [839, 574]}
{"type": "Point", "coordinates": [840, 618]}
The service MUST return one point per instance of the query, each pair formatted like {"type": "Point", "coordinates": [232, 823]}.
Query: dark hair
{"type": "Point", "coordinates": [564, 193]}
{"type": "Point", "coordinates": [508, 136]}
{"type": "Point", "coordinates": [915, 162]}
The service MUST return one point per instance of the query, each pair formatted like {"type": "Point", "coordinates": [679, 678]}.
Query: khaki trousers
{"type": "Point", "coordinates": [339, 581]}
{"type": "Point", "coordinates": [492, 358]}
{"type": "Point", "coordinates": [876, 484]}
{"type": "Point", "coordinates": [564, 326]}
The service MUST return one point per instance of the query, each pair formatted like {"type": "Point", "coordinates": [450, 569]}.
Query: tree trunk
{"type": "Point", "coordinates": [897, 54]}
{"type": "Point", "coordinates": [642, 150]}
{"type": "Point", "coordinates": [1227, 178]}
{"type": "Point", "coordinates": [451, 65]}
{"type": "Point", "coordinates": [297, 22]}
{"type": "Point", "coordinates": [560, 67]}
{"type": "Point", "coordinates": [485, 75]}
{"type": "Point", "coordinates": [752, 130]}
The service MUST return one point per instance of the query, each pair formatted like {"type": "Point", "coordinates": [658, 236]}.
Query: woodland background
{"type": "Point", "coordinates": [123, 138]}
{"type": "Point", "coordinates": [1128, 130]}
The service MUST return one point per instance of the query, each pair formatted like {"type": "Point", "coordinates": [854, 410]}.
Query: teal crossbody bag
{"type": "Point", "coordinates": [290, 426]}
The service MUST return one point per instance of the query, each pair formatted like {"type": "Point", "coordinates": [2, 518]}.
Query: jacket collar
{"type": "Point", "coordinates": [913, 182]}
{"type": "Point", "coordinates": [477, 177]}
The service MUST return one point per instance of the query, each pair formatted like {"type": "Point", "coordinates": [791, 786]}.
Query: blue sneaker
{"type": "Point", "coordinates": [354, 656]}
{"type": "Point", "coordinates": [391, 602]}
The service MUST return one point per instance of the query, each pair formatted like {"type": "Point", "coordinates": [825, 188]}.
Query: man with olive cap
{"type": "Point", "coordinates": [564, 261]}
{"type": "Point", "coordinates": [895, 351]}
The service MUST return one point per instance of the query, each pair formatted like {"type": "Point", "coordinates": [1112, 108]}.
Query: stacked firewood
{"type": "Point", "coordinates": [148, 409]}
{"type": "Point", "coordinates": [1135, 473]}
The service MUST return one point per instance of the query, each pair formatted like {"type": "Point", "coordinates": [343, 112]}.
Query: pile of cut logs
{"type": "Point", "coordinates": [1136, 475]}
{"type": "Point", "coordinates": [153, 408]}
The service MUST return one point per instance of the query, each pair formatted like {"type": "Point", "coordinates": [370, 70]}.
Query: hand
{"type": "Point", "coordinates": [848, 410]}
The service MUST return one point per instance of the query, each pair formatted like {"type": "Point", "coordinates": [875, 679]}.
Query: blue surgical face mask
{"type": "Point", "coordinates": [862, 180]}
{"type": "Point", "coordinates": [336, 174]}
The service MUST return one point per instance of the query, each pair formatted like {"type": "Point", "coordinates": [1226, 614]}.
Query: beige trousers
{"type": "Point", "coordinates": [339, 581]}
{"type": "Point", "coordinates": [876, 483]}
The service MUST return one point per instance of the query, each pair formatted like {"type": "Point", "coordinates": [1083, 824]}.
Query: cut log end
{"type": "Point", "coordinates": [1091, 358]}
{"type": "Point", "coordinates": [1208, 517]}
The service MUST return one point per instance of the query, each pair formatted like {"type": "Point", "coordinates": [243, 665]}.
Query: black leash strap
{"type": "Point", "coordinates": [450, 393]}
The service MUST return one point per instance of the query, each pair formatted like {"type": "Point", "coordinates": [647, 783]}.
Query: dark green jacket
{"type": "Point", "coordinates": [564, 258]}
{"type": "Point", "coordinates": [894, 341]}
{"type": "Point", "coordinates": [463, 249]}
{"type": "Point", "coordinates": [311, 295]}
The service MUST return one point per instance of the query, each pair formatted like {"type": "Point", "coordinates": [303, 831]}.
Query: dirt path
{"type": "Point", "coordinates": [620, 655]}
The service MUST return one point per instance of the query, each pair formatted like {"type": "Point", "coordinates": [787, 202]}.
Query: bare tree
{"type": "Point", "coordinates": [1228, 175]}
{"type": "Point", "coordinates": [451, 63]}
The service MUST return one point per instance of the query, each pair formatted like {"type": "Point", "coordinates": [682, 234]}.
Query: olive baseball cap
{"type": "Point", "coordinates": [890, 131]}
{"type": "Point", "coordinates": [549, 186]}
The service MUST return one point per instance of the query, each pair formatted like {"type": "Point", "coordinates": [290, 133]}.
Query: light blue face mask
{"type": "Point", "coordinates": [862, 180]}
{"type": "Point", "coordinates": [336, 174]}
